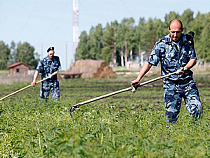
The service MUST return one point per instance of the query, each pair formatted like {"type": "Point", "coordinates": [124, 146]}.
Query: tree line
{"type": "Point", "coordinates": [17, 52]}
{"type": "Point", "coordinates": [122, 42]}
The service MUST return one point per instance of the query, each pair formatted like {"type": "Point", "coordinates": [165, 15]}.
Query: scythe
{"type": "Point", "coordinates": [117, 92]}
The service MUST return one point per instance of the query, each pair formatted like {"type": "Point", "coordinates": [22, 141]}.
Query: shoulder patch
{"type": "Point", "coordinates": [164, 40]}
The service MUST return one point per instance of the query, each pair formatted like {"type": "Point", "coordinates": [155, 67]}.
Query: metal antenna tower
{"type": "Point", "coordinates": [75, 27]}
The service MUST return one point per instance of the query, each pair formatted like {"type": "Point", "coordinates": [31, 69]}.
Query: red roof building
{"type": "Point", "coordinates": [18, 68]}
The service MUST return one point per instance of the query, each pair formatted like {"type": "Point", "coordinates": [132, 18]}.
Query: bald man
{"type": "Point", "coordinates": [175, 55]}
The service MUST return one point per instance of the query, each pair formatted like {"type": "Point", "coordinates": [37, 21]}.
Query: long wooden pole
{"type": "Point", "coordinates": [27, 86]}
{"type": "Point", "coordinates": [117, 92]}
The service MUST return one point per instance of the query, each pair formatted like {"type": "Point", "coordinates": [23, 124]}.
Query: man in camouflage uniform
{"type": "Point", "coordinates": [176, 54]}
{"type": "Point", "coordinates": [46, 67]}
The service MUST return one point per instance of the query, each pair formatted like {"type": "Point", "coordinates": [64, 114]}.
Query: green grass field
{"type": "Point", "coordinates": [124, 125]}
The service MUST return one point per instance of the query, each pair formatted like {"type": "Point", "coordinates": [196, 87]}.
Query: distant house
{"type": "Point", "coordinates": [18, 69]}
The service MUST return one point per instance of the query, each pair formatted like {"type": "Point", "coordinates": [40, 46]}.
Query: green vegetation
{"type": "Point", "coordinates": [124, 125]}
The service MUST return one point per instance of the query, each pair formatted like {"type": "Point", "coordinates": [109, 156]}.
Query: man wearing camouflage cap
{"type": "Point", "coordinates": [47, 67]}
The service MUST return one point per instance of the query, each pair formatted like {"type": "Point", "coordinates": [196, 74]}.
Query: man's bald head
{"type": "Point", "coordinates": [175, 28]}
{"type": "Point", "coordinates": [175, 22]}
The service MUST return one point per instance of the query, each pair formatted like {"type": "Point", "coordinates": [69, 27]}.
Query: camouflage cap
{"type": "Point", "coordinates": [50, 48]}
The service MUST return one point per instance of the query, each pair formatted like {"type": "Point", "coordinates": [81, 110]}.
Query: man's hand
{"type": "Point", "coordinates": [36, 74]}
{"type": "Point", "coordinates": [134, 85]}
{"type": "Point", "coordinates": [33, 83]}
{"type": "Point", "coordinates": [180, 71]}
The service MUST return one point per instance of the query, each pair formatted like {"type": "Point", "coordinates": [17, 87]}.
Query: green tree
{"type": "Point", "coordinates": [130, 39]}
{"type": "Point", "coordinates": [138, 35]}
{"type": "Point", "coordinates": [83, 48]}
{"type": "Point", "coordinates": [120, 42]}
{"type": "Point", "coordinates": [25, 54]}
{"type": "Point", "coordinates": [94, 41]}
{"type": "Point", "coordinates": [148, 36]}
{"type": "Point", "coordinates": [202, 33]}
{"type": "Point", "coordinates": [159, 29]}
{"type": "Point", "coordinates": [4, 55]}
{"type": "Point", "coordinates": [105, 54]}
{"type": "Point", "coordinates": [124, 37]}
{"type": "Point", "coordinates": [187, 18]}
{"type": "Point", "coordinates": [172, 15]}
{"type": "Point", "coordinates": [108, 40]}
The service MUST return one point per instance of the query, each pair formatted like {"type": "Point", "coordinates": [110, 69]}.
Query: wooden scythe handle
{"type": "Point", "coordinates": [116, 92]}
{"type": "Point", "coordinates": [27, 86]}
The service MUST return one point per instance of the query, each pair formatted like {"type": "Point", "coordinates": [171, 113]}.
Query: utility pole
{"type": "Point", "coordinates": [75, 27]}
{"type": "Point", "coordinates": [66, 56]}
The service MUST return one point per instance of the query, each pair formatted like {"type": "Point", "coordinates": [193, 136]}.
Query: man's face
{"type": "Point", "coordinates": [51, 54]}
{"type": "Point", "coordinates": [175, 32]}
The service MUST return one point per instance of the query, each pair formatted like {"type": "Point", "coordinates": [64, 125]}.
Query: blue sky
{"type": "Point", "coordinates": [45, 23]}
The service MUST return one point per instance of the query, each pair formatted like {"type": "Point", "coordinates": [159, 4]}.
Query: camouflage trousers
{"type": "Point", "coordinates": [173, 94]}
{"type": "Point", "coordinates": [48, 86]}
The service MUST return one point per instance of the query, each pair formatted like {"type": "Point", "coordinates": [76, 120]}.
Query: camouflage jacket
{"type": "Point", "coordinates": [47, 67]}
{"type": "Point", "coordinates": [172, 56]}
